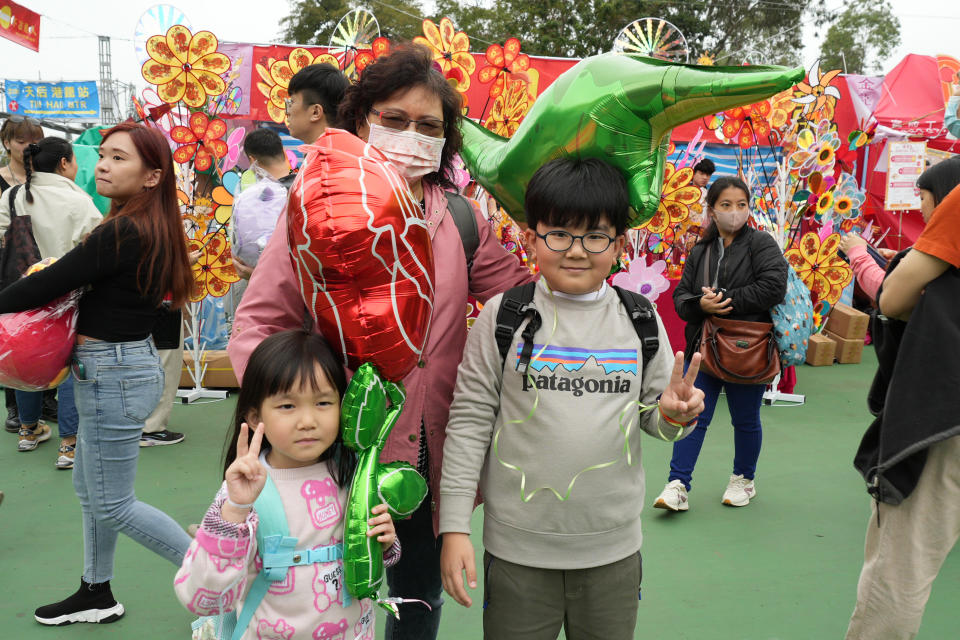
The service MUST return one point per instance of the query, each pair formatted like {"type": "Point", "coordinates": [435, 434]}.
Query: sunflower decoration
{"type": "Point", "coordinates": [502, 64]}
{"type": "Point", "coordinates": [511, 106]}
{"type": "Point", "coordinates": [378, 48]}
{"type": "Point", "coordinates": [185, 66]}
{"type": "Point", "coordinates": [783, 110]}
{"type": "Point", "coordinates": [706, 59]}
{"type": "Point", "coordinates": [746, 125]}
{"type": "Point", "coordinates": [815, 149]}
{"type": "Point", "coordinates": [281, 72]}
{"type": "Point", "coordinates": [676, 200]}
{"type": "Point", "coordinates": [849, 199]}
{"type": "Point", "coordinates": [819, 266]}
{"type": "Point", "coordinates": [451, 50]}
{"type": "Point", "coordinates": [816, 94]}
{"type": "Point", "coordinates": [201, 141]}
{"type": "Point", "coordinates": [213, 273]}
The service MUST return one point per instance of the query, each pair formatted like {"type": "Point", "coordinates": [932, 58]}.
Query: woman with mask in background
{"type": "Point", "coordinates": [406, 109]}
{"type": "Point", "coordinates": [747, 277]}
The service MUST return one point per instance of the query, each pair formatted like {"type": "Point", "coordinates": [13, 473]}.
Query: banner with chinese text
{"type": "Point", "coordinates": [20, 25]}
{"type": "Point", "coordinates": [53, 100]}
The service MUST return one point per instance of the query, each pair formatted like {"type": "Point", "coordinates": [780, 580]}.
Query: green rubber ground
{"type": "Point", "coordinates": [783, 568]}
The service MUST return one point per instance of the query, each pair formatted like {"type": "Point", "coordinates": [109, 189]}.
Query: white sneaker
{"type": "Point", "coordinates": [739, 492]}
{"type": "Point", "coordinates": [673, 497]}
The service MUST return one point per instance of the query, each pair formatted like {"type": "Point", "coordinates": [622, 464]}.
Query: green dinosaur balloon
{"type": "Point", "coordinates": [366, 421]}
{"type": "Point", "coordinates": [619, 108]}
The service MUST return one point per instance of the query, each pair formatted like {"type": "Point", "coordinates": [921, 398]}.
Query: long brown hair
{"type": "Point", "coordinates": [155, 212]}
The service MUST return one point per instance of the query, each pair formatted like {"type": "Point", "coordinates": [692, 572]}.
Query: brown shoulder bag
{"type": "Point", "coordinates": [737, 351]}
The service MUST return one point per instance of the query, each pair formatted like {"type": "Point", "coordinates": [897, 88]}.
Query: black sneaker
{"type": "Point", "coordinates": [91, 603]}
{"type": "Point", "coordinates": [48, 410]}
{"type": "Point", "coordinates": [13, 416]}
{"type": "Point", "coordinates": [160, 438]}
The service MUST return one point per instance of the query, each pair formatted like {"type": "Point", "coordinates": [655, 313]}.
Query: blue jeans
{"type": "Point", "coordinates": [117, 385]}
{"type": "Point", "coordinates": [30, 403]}
{"type": "Point", "coordinates": [744, 402]}
{"type": "Point", "coordinates": [416, 576]}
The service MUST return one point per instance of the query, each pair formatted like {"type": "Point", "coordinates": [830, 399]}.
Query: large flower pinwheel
{"type": "Point", "coordinates": [509, 109]}
{"type": "Point", "coordinates": [848, 199]}
{"type": "Point", "coordinates": [276, 76]}
{"type": "Point", "coordinates": [782, 110]}
{"type": "Point", "coordinates": [816, 93]}
{"type": "Point", "coordinates": [378, 48]}
{"type": "Point", "coordinates": [819, 266]}
{"type": "Point", "coordinates": [647, 280]}
{"type": "Point", "coordinates": [185, 66]}
{"type": "Point", "coordinates": [213, 273]}
{"type": "Point", "coordinates": [451, 50]}
{"type": "Point", "coordinates": [675, 201]}
{"type": "Point", "coordinates": [746, 124]}
{"type": "Point", "coordinates": [501, 62]}
{"type": "Point", "coordinates": [201, 140]}
{"type": "Point", "coordinates": [815, 150]}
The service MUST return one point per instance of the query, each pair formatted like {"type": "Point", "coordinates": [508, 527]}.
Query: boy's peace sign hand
{"type": "Point", "coordinates": [245, 477]}
{"type": "Point", "coordinates": [681, 401]}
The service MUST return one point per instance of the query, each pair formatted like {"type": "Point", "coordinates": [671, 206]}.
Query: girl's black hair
{"type": "Point", "coordinates": [280, 363]}
{"type": "Point", "coordinates": [713, 194]}
{"type": "Point", "coordinates": [940, 179]}
{"type": "Point", "coordinates": [44, 157]}
{"type": "Point", "coordinates": [570, 192]}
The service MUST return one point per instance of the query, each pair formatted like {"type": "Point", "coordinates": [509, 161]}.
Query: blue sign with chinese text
{"type": "Point", "coordinates": [53, 100]}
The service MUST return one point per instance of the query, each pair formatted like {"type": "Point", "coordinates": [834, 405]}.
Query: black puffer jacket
{"type": "Point", "coordinates": [752, 270]}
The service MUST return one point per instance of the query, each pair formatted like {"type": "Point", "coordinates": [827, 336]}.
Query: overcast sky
{"type": "Point", "coordinates": [68, 46]}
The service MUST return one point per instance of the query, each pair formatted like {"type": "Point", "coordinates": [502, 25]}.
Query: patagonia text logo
{"type": "Point", "coordinates": [576, 386]}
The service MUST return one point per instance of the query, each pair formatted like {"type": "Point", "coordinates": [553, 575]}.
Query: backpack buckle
{"type": "Point", "coordinates": [651, 344]}
{"type": "Point", "coordinates": [642, 313]}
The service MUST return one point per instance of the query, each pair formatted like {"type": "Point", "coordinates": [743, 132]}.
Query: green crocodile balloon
{"type": "Point", "coordinates": [366, 421]}
{"type": "Point", "coordinates": [619, 108]}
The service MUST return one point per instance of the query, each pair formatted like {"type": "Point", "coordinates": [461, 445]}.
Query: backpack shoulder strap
{"type": "Point", "coordinates": [644, 321]}
{"type": "Point", "coordinates": [462, 214]}
{"type": "Point", "coordinates": [272, 522]}
{"type": "Point", "coordinates": [514, 307]}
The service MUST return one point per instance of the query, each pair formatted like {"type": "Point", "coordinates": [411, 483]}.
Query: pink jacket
{"type": "Point", "coordinates": [868, 273]}
{"type": "Point", "coordinates": [272, 303]}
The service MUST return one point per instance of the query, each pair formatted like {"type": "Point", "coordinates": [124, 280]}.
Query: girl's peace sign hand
{"type": "Point", "coordinates": [245, 477]}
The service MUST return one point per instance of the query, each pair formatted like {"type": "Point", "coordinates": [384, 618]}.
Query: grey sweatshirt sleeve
{"type": "Point", "coordinates": [476, 402]}
{"type": "Point", "coordinates": [656, 376]}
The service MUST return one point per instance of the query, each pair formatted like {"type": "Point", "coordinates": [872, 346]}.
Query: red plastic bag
{"type": "Point", "coordinates": [36, 345]}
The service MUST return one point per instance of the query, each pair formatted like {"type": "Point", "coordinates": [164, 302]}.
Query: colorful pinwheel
{"type": "Point", "coordinates": [202, 141]}
{"type": "Point", "coordinates": [816, 93]}
{"type": "Point", "coordinates": [675, 201]}
{"type": "Point", "coordinates": [223, 197]}
{"type": "Point", "coordinates": [451, 50]}
{"type": "Point", "coordinates": [282, 71]}
{"type": "Point", "coordinates": [509, 109]}
{"type": "Point", "coordinates": [379, 48]}
{"type": "Point", "coordinates": [816, 150]}
{"type": "Point", "coordinates": [501, 62]}
{"type": "Point", "coordinates": [819, 266]}
{"type": "Point", "coordinates": [213, 273]}
{"type": "Point", "coordinates": [848, 199]}
{"type": "Point", "coordinates": [746, 124]}
{"type": "Point", "coordinates": [185, 66]}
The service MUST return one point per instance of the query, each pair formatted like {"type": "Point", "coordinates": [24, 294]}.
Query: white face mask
{"type": "Point", "coordinates": [414, 154]}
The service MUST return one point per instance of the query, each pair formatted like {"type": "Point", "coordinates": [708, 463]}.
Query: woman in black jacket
{"type": "Point", "coordinates": [747, 277]}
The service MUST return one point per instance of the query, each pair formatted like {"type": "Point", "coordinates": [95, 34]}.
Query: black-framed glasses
{"type": "Point", "coordinates": [398, 121]}
{"type": "Point", "coordinates": [593, 242]}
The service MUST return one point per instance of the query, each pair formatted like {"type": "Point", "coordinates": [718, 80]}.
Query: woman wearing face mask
{"type": "Point", "coordinates": [406, 109]}
{"type": "Point", "coordinates": [61, 215]}
{"type": "Point", "coordinates": [748, 276]}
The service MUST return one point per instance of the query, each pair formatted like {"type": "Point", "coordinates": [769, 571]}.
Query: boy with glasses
{"type": "Point", "coordinates": [315, 95]}
{"type": "Point", "coordinates": [550, 432]}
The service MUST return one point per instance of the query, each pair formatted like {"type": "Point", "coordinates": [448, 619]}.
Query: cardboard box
{"type": "Point", "coordinates": [849, 350]}
{"type": "Point", "coordinates": [219, 373]}
{"type": "Point", "coordinates": [847, 322]}
{"type": "Point", "coordinates": [821, 350]}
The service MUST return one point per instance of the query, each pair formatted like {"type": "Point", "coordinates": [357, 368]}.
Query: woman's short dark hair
{"type": "Point", "coordinates": [574, 192]}
{"type": "Point", "coordinates": [940, 179]}
{"type": "Point", "coordinates": [407, 66]}
{"type": "Point", "coordinates": [322, 84]}
{"type": "Point", "coordinates": [263, 143]}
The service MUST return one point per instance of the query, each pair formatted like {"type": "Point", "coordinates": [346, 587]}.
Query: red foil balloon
{"type": "Point", "coordinates": [362, 254]}
{"type": "Point", "coordinates": [36, 345]}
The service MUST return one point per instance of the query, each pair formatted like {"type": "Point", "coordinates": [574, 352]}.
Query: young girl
{"type": "Point", "coordinates": [126, 266]}
{"type": "Point", "coordinates": [291, 390]}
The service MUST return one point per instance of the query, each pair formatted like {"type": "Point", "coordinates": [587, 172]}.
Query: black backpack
{"type": "Point", "coordinates": [515, 307]}
{"type": "Point", "coordinates": [462, 214]}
